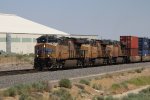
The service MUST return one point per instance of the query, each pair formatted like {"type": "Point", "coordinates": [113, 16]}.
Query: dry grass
{"type": "Point", "coordinates": [95, 89]}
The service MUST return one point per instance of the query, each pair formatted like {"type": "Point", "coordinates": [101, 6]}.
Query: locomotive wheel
{"type": "Point", "coordinates": [78, 63]}
{"type": "Point", "coordinates": [124, 60]}
{"type": "Point", "coordinates": [50, 67]}
{"type": "Point", "coordinates": [115, 61]}
{"type": "Point", "coordinates": [38, 67]}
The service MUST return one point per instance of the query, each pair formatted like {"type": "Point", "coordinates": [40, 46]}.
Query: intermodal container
{"type": "Point", "coordinates": [129, 41]}
{"type": "Point", "coordinates": [131, 52]}
{"type": "Point", "coordinates": [143, 52]}
{"type": "Point", "coordinates": [143, 43]}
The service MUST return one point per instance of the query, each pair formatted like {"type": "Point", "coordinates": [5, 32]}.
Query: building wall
{"type": "Point", "coordinates": [3, 42]}
{"type": "Point", "coordinates": [20, 43]}
{"type": "Point", "coordinates": [23, 43]}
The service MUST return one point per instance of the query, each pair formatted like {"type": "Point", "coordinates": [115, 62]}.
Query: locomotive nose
{"type": "Point", "coordinates": [40, 50]}
{"type": "Point", "coordinates": [43, 51]}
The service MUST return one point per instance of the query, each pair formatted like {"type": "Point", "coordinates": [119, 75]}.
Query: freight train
{"type": "Point", "coordinates": [53, 52]}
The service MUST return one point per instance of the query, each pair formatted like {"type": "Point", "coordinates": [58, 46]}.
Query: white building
{"type": "Point", "coordinates": [19, 35]}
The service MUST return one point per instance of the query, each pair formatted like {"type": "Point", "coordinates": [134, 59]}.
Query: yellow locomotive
{"type": "Point", "coordinates": [53, 52]}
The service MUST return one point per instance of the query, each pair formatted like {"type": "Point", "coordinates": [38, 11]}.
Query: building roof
{"type": "Point", "coordinates": [14, 24]}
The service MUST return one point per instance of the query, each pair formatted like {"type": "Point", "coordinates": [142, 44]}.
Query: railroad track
{"type": "Point", "coordinates": [16, 72]}
{"type": "Point", "coordinates": [27, 71]}
{"type": "Point", "coordinates": [10, 78]}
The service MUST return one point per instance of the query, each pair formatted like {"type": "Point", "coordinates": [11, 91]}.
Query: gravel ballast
{"type": "Point", "coordinates": [10, 80]}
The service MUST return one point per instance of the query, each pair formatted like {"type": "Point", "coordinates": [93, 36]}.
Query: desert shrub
{"type": "Point", "coordinates": [26, 89]}
{"type": "Point", "coordinates": [131, 95]}
{"type": "Point", "coordinates": [139, 70]}
{"type": "Point", "coordinates": [110, 98]}
{"type": "Point", "coordinates": [53, 97]}
{"type": "Point", "coordinates": [12, 92]}
{"type": "Point", "coordinates": [86, 82]}
{"type": "Point", "coordinates": [40, 86]}
{"type": "Point", "coordinates": [115, 86]}
{"type": "Point", "coordinates": [143, 80]}
{"type": "Point", "coordinates": [98, 98]}
{"type": "Point", "coordinates": [97, 86]}
{"type": "Point", "coordinates": [83, 91]}
{"type": "Point", "coordinates": [19, 56]}
{"type": "Point", "coordinates": [142, 95]}
{"type": "Point", "coordinates": [62, 94]}
{"type": "Point", "coordinates": [24, 97]}
{"type": "Point", "coordinates": [55, 86]}
{"type": "Point", "coordinates": [145, 90]}
{"type": "Point", "coordinates": [124, 85]}
{"type": "Point", "coordinates": [31, 55]}
{"type": "Point", "coordinates": [66, 83]}
{"type": "Point", "coordinates": [23, 88]}
{"type": "Point", "coordinates": [136, 97]}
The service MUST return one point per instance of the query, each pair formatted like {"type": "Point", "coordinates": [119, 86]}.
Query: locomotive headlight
{"type": "Point", "coordinates": [48, 55]}
{"type": "Point", "coordinates": [37, 55]}
{"type": "Point", "coordinates": [44, 45]}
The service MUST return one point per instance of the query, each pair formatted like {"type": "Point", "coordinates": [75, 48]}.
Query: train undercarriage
{"type": "Point", "coordinates": [47, 63]}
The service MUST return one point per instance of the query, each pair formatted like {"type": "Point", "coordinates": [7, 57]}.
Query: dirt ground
{"type": "Point", "coordinates": [15, 63]}
{"type": "Point", "coordinates": [105, 84]}
{"type": "Point", "coordinates": [100, 86]}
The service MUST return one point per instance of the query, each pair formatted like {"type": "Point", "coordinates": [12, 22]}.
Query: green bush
{"type": "Point", "coordinates": [115, 86]}
{"type": "Point", "coordinates": [145, 91]}
{"type": "Point", "coordinates": [143, 80]}
{"type": "Point", "coordinates": [86, 82]}
{"type": "Point", "coordinates": [23, 88]}
{"type": "Point", "coordinates": [124, 85]}
{"type": "Point", "coordinates": [97, 86]}
{"type": "Point", "coordinates": [24, 97]}
{"type": "Point", "coordinates": [142, 95]}
{"type": "Point", "coordinates": [62, 94]}
{"type": "Point", "coordinates": [66, 83]}
{"type": "Point", "coordinates": [40, 86]}
{"type": "Point", "coordinates": [12, 92]}
{"type": "Point", "coordinates": [138, 70]}
{"type": "Point", "coordinates": [19, 56]}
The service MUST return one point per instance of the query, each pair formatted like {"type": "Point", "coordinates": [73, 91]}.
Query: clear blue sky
{"type": "Point", "coordinates": [106, 18]}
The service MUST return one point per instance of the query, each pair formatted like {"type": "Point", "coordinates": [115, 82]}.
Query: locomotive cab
{"type": "Point", "coordinates": [47, 49]}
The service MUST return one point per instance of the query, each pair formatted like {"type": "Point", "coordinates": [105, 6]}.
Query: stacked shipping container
{"type": "Point", "coordinates": [143, 46]}
{"type": "Point", "coordinates": [131, 45]}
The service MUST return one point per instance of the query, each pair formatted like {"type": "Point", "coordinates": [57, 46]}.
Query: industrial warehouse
{"type": "Point", "coordinates": [18, 35]}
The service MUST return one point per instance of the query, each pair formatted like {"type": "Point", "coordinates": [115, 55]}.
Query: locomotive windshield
{"type": "Point", "coordinates": [47, 39]}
